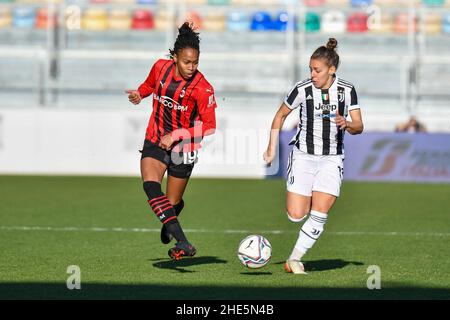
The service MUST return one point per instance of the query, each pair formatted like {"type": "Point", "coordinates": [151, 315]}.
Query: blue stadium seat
{"type": "Point", "coordinates": [23, 17]}
{"type": "Point", "coordinates": [238, 21]}
{"type": "Point", "coordinates": [446, 24]}
{"type": "Point", "coordinates": [261, 21]}
{"type": "Point", "coordinates": [147, 1]}
{"type": "Point", "coordinates": [360, 3]}
{"type": "Point", "coordinates": [281, 22]}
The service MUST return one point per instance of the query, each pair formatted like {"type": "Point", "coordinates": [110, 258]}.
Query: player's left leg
{"type": "Point", "coordinates": [178, 173]}
{"type": "Point", "coordinates": [314, 225]}
{"type": "Point", "coordinates": [174, 191]}
{"type": "Point", "coordinates": [325, 190]}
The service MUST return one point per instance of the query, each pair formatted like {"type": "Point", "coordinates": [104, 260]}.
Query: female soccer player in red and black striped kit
{"type": "Point", "coordinates": [183, 113]}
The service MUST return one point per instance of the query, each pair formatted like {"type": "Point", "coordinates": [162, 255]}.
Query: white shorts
{"type": "Point", "coordinates": [307, 173]}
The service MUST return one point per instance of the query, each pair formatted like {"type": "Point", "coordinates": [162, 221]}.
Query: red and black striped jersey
{"type": "Point", "coordinates": [183, 108]}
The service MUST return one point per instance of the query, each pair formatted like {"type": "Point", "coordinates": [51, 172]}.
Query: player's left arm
{"type": "Point", "coordinates": [355, 126]}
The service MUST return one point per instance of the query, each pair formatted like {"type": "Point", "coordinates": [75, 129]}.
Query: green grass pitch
{"type": "Point", "coordinates": [104, 226]}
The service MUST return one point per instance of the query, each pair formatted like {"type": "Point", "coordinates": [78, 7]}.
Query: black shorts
{"type": "Point", "coordinates": [179, 164]}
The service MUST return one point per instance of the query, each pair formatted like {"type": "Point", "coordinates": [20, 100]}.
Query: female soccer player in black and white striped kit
{"type": "Point", "coordinates": [315, 166]}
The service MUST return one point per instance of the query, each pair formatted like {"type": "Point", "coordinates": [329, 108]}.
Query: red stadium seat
{"type": "Point", "coordinates": [403, 21]}
{"type": "Point", "coordinates": [314, 3]}
{"type": "Point", "coordinates": [142, 19]}
{"type": "Point", "coordinates": [194, 18]}
{"type": "Point", "coordinates": [43, 21]}
{"type": "Point", "coordinates": [357, 22]}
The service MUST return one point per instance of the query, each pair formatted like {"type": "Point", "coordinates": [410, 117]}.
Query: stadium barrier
{"type": "Point", "coordinates": [83, 141]}
{"type": "Point", "coordinates": [400, 157]}
{"type": "Point", "coordinates": [107, 142]}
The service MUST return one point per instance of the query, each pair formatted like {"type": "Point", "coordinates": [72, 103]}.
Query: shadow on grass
{"type": "Point", "coordinates": [180, 265]}
{"type": "Point", "coordinates": [390, 290]}
{"type": "Point", "coordinates": [256, 273]}
{"type": "Point", "coordinates": [326, 264]}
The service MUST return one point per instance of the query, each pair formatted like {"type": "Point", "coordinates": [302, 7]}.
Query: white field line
{"type": "Point", "coordinates": [226, 231]}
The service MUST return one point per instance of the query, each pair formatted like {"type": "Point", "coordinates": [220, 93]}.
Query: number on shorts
{"type": "Point", "coordinates": [190, 157]}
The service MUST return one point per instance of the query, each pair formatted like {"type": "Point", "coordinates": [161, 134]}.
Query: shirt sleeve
{"type": "Point", "coordinates": [292, 100]}
{"type": "Point", "coordinates": [148, 86]}
{"type": "Point", "coordinates": [353, 100]}
{"type": "Point", "coordinates": [206, 100]}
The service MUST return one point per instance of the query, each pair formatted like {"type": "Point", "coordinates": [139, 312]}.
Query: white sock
{"type": "Point", "coordinates": [296, 254]}
{"type": "Point", "coordinates": [309, 234]}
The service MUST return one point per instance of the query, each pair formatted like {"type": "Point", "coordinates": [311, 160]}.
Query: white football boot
{"type": "Point", "coordinates": [294, 266]}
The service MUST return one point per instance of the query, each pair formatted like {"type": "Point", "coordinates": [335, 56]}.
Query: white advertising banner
{"type": "Point", "coordinates": [106, 142]}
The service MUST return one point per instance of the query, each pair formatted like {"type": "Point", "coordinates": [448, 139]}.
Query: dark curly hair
{"type": "Point", "coordinates": [187, 38]}
{"type": "Point", "coordinates": [328, 53]}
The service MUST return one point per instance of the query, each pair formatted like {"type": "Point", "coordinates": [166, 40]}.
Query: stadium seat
{"type": "Point", "coordinates": [194, 18]}
{"type": "Point", "coordinates": [43, 20]}
{"type": "Point", "coordinates": [147, 1]}
{"type": "Point", "coordinates": [5, 17]}
{"type": "Point", "coordinates": [333, 22]}
{"type": "Point", "coordinates": [433, 3]}
{"type": "Point", "coordinates": [446, 24]}
{"type": "Point", "coordinates": [195, 1]}
{"type": "Point", "coordinates": [23, 17]}
{"type": "Point", "coordinates": [219, 2]}
{"type": "Point", "coordinates": [384, 25]}
{"type": "Point", "coordinates": [337, 3]}
{"type": "Point", "coordinates": [99, 1]}
{"type": "Point", "coordinates": [314, 3]}
{"type": "Point", "coordinates": [123, 1]}
{"type": "Point", "coordinates": [361, 3]}
{"type": "Point", "coordinates": [214, 22]}
{"type": "Point", "coordinates": [385, 3]}
{"type": "Point", "coordinates": [164, 20]}
{"type": "Point", "coordinates": [142, 19]}
{"type": "Point", "coordinates": [432, 24]}
{"type": "Point", "coordinates": [281, 21]}
{"type": "Point", "coordinates": [311, 23]}
{"type": "Point", "coordinates": [261, 3]}
{"type": "Point", "coordinates": [357, 22]}
{"type": "Point", "coordinates": [238, 21]}
{"type": "Point", "coordinates": [119, 19]}
{"type": "Point", "coordinates": [402, 21]}
{"type": "Point", "coordinates": [94, 19]}
{"type": "Point", "coordinates": [261, 21]}
{"type": "Point", "coordinates": [245, 2]}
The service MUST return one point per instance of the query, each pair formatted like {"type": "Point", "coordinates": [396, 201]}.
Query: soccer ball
{"type": "Point", "coordinates": [254, 251]}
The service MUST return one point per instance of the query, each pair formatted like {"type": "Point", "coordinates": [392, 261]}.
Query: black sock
{"type": "Point", "coordinates": [179, 207]}
{"type": "Point", "coordinates": [163, 209]}
{"type": "Point", "coordinates": [174, 228]}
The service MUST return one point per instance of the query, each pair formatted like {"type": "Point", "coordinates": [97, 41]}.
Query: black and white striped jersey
{"type": "Point", "coordinates": [317, 131]}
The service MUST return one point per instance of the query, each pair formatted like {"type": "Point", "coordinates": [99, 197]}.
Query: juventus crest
{"type": "Point", "coordinates": [341, 95]}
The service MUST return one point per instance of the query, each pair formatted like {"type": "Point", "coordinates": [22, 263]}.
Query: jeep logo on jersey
{"type": "Point", "coordinates": [326, 107]}
{"type": "Point", "coordinates": [170, 103]}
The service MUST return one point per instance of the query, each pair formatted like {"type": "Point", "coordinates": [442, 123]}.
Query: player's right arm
{"type": "Point", "coordinates": [277, 124]}
{"type": "Point", "coordinates": [146, 88]}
